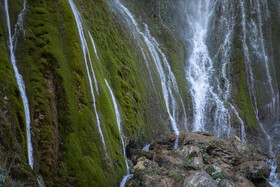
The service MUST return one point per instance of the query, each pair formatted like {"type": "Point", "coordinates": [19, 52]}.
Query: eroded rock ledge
{"type": "Point", "coordinates": [200, 160]}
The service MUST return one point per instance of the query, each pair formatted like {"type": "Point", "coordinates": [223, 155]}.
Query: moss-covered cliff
{"type": "Point", "coordinates": [68, 149]}
{"type": "Point", "coordinates": [65, 138]}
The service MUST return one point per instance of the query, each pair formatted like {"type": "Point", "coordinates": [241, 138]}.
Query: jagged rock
{"type": "Point", "coordinates": [138, 153]}
{"type": "Point", "coordinates": [157, 181]}
{"type": "Point", "coordinates": [216, 172]}
{"type": "Point", "coordinates": [201, 159]}
{"type": "Point", "coordinates": [255, 170]}
{"type": "Point", "coordinates": [242, 181]}
{"type": "Point", "coordinates": [199, 179]}
{"type": "Point", "coordinates": [193, 157]}
{"type": "Point", "coordinates": [207, 133]}
{"type": "Point", "coordinates": [145, 166]}
{"type": "Point", "coordinates": [226, 183]}
{"type": "Point", "coordinates": [165, 141]}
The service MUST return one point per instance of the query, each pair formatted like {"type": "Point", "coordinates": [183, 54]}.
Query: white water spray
{"type": "Point", "coordinates": [256, 39]}
{"type": "Point", "coordinates": [168, 81]}
{"type": "Point", "coordinates": [227, 19]}
{"type": "Point", "coordinates": [19, 79]}
{"type": "Point", "coordinates": [146, 148]}
{"type": "Point", "coordinates": [200, 71]}
{"type": "Point", "coordinates": [258, 47]}
{"type": "Point", "coordinates": [118, 117]}
{"type": "Point", "coordinates": [86, 55]}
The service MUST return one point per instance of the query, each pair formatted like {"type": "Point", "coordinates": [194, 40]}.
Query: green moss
{"type": "Point", "coordinates": [66, 141]}
{"type": "Point", "coordinates": [220, 175]}
{"type": "Point", "coordinates": [243, 97]}
{"type": "Point", "coordinates": [63, 119]}
{"type": "Point", "coordinates": [187, 161]}
{"type": "Point", "coordinates": [150, 172]}
{"type": "Point", "coordinates": [176, 177]}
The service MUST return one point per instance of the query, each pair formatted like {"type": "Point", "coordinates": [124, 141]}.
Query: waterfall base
{"type": "Point", "coordinates": [125, 179]}
{"type": "Point", "coordinates": [200, 158]}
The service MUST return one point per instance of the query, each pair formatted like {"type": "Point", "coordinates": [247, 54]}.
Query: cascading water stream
{"type": "Point", "coordinates": [257, 39]}
{"type": "Point", "coordinates": [118, 117]}
{"type": "Point", "coordinates": [168, 81]}
{"type": "Point", "coordinates": [134, 29]}
{"type": "Point", "coordinates": [93, 44]}
{"type": "Point", "coordinates": [200, 71]}
{"type": "Point", "coordinates": [19, 79]}
{"type": "Point", "coordinates": [228, 19]}
{"type": "Point", "coordinates": [257, 42]}
{"type": "Point", "coordinates": [86, 55]}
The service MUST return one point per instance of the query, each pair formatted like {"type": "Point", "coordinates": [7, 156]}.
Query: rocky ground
{"type": "Point", "coordinates": [201, 159]}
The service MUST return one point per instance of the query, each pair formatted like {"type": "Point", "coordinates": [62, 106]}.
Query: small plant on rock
{"type": "Point", "coordinates": [176, 177]}
{"type": "Point", "coordinates": [150, 171]}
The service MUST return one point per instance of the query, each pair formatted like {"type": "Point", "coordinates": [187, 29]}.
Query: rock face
{"type": "Point", "coordinates": [199, 179]}
{"type": "Point", "coordinates": [200, 160]}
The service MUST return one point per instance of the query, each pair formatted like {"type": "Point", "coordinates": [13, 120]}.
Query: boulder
{"type": "Point", "coordinates": [226, 183]}
{"type": "Point", "coordinates": [191, 156]}
{"type": "Point", "coordinates": [151, 181]}
{"type": "Point", "coordinates": [242, 181]}
{"type": "Point", "coordinates": [255, 170]}
{"type": "Point", "coordinates": [201, 159]}
{"type": "Point", "coordinates": [216, 172]}
{"type": "Point", "coordinates": [164, 142]}
{"type": "Point", "coordinates": [199, 179]}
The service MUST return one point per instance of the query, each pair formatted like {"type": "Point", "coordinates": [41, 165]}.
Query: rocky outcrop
{"type": "Point", "coordinates": [201, 159]}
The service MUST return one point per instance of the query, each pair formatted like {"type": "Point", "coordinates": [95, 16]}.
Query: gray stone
{"type": "Point", "coordinates": [255, 170]}
{"type": "Point", "coordinates": [199, 179]}
{"type": "Point", "coordinates": [226, 183]}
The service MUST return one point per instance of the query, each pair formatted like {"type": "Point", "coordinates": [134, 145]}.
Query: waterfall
{"type": "Point", "coordinates": [93, 44]}
{"type": "Point", "coordinates": [146, 148]}
{"type": "Point", "coordinates": [200, 71]}
{"type": "Point", "coordinates": [168, 81]}
{"type": "Point", "coordinates": [227, 18]}
{"type": "Point", "coordinates": [274, 179]}
{"type": "Point", "coordinates": [243, 133]}
{"type": "Point", "coordinates": [256, 41]}
{"type": "Point", "coordinates": [86, 55]}
{"type": "Point", "coordinates": [19, 79]}
{"type": "Point", "coordinates": [255, 45]}
{"type": "Point", "coordinates": [118, 117]}
{"type": "Point", "coordinates": [137, 34]}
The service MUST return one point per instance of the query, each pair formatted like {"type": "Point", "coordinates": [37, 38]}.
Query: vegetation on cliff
{"type": "Point", "coordinates": [67, 146]}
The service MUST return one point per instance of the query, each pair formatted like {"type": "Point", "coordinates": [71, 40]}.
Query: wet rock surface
{"type": "Point", "coordinates": [201, 159]}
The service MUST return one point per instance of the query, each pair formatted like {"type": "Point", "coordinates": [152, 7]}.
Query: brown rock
{"type": "Point", "coordinates": [243, 182]}
{"type": "Point", "coordinates": [199, 179]}
{"type": "Point", "coordinates": [207, 133]}
{"type": "Point", "coordinates": [231, 162]}
{"type": "Point", "coordinates": [256, 170]}
{"type": "Point", "coordinates": [164, 142]}
{"type": "Point", "coordinates": [226, 183]}
{"type": "Point", "coordinates": [145, 167]}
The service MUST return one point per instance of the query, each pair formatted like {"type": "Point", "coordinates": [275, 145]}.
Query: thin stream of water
{"type": "Point", "coordinates": [168, 81]}
{"type": "Point", "coordinates": [86, 55]}
{"type": "Point", "coordinates": [19, 79]}
{"type": "Point", "coordinates": [118, 117]}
